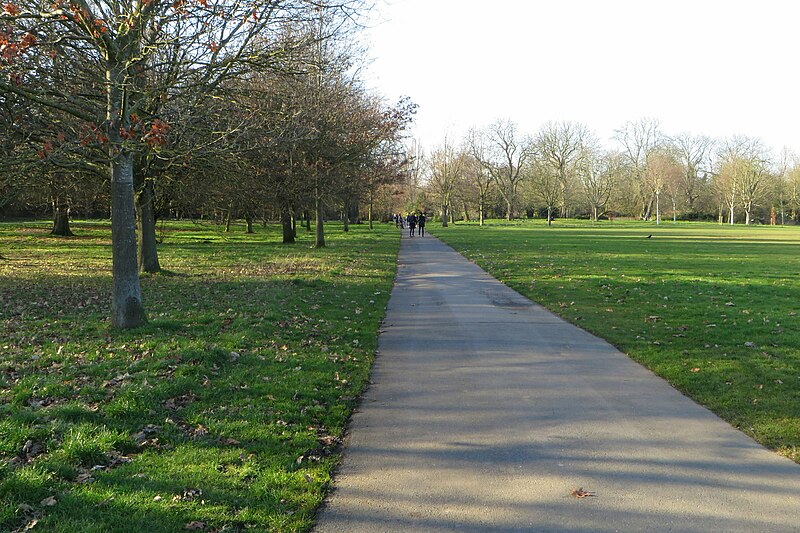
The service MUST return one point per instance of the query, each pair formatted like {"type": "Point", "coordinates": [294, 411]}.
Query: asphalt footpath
{"type": "Point", "coordinates": [487, 413]}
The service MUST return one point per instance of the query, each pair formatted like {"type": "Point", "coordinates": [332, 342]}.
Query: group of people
{"type": "Point", "coordinates": [413, 220]}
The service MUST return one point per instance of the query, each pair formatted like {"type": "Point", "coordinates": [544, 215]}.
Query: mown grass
{"type": "Point", "coordinates": [224, 413]}
{"type": "Point", "coordinates": [713, 309]}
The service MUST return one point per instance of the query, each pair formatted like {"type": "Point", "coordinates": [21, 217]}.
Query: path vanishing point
{"type": "Point", "coordinates": [486, 411]}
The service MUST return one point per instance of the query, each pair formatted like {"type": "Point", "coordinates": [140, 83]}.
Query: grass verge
{"type": "Point", "coordinates": [224, 413]}
{"type": "Point", "coordinates": [713, 309]}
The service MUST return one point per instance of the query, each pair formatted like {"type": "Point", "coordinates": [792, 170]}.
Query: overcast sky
{"type": "Point", "coordinates": [700, 66]}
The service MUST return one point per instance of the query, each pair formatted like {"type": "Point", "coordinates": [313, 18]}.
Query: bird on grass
{"type": "Point", "coordinates": [649, 236]}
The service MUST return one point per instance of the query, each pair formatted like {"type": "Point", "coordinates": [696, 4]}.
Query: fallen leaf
{"type": "Point", "coordinates": [696, 369]}
{"type": "Point", "coordinates": [84, 477]}
{"type": "Point", "coordinates": [49, 501]}
{"type": "Point", "coordinates": [580, 493]}
{"type": "Point", "coordinates": [25, 508]}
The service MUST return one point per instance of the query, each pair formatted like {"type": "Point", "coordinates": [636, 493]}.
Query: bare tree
{"type": "Point", "coordinates": [745, 169]}
{"type": "Point", "coordinates": [562, 146]}
{"type": "Point", "coordinates": [446, 164]}
{"type": "Point", "coordinates": [506, 155]}
{"type": "Point", "coordinates": [544, 186]}
{"type": "Point", "coordinates": [694, 153]}
{"type": "Point", "coordinates": [477, 173]}
{"type": "Point", "coordinates": [638, 140]}
{"type": "Point", "coordinates": [597, 176]}
{"type": "Point", "coordinates": [662, 171]}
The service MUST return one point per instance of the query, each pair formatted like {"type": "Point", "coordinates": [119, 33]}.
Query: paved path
{"type": "Point", "coordinates": [486, 411]}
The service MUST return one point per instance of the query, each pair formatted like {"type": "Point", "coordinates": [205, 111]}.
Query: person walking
{"type": "Point", "coordinates": [421, 224]}
{"type": "Point", "coordinates": [412, 224]}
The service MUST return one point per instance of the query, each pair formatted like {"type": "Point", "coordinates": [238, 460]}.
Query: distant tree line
{"type": "Point", "coordinates": [563, 171]}
{"type": "Point", "coordinates": [217, 109]}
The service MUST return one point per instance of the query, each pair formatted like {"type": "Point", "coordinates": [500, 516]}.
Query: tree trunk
{"type": "Point", "coordinates": [444, 216]}
{"type": "Point", "coordinates": [146, 225]}
{"type": "Point", "coordinates": [731, 219]}
{"type": "Point", "coordinates": [228, 218]}
{"type": "Point", "coordinates": [369, 208]}
{"type": "Point", "coordinates": [249, 220]}
{"type": "Point", "coordinates": [508, 210]}
{"type": "Point", "coordinates": [307, 216]}
{"type": "Point", "coordinates": [61, 219]}
{"type": "Point", "coordinates": [549, 216]}
{"type": "Point", "coordinates": [320, 229]}
{"type": "Point", "coordinates": [466, 212]}
{"type": "Point", "coordinates": [286, 224]}
{"type": "Point", "coordinates": [127, 310]}
{"type": "Point", "coordinates": [658, 208]}
{"type": "Point", "coordinates": [480, 212]}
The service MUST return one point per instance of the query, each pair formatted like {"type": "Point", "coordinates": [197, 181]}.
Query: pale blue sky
{"type": "Point", "coordinates": [701, 66]}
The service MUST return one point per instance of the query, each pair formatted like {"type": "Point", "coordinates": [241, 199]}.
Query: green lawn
{"type": "Point", "coordinates": [713, 309]}
{"type": "Point", "coordinates": [223, 414]}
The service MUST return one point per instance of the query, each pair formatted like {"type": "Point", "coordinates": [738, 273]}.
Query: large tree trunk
{"type": "Point", "coordinates": [249, 220]}
{"type": "Point", "coordinates": [307, 216]}
{"type": "Point", "coordinates": [286, 224]}
{"type": "Point", "coordinates": [480, 211]}
{"type": "Point", "coordinates": [444, 216]}
{"type": "Point", "coordinates": [61, 219]}
{"type": "Point", "coordinates": [127, 310]}
{"type": "Point", "coordinates": [146, 225]}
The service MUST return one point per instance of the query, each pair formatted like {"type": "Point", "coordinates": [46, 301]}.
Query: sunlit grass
{"type": "Point", "coordinates": [713, 309]}
{"type": "Point", "coordinates": [227, 409]}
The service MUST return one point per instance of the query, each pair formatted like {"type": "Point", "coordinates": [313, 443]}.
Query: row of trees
{"type": "Point", "coordinates": [564, 171]}
{"type": "Point", "coordinates": [202, 107]}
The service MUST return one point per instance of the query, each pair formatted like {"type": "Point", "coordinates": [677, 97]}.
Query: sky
{"type": "Point", "coordinates": [710, 67]}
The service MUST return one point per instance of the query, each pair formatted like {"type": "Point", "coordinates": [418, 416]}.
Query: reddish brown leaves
{"type": "Point", "coordinates": [11, 9]}
{"type": "Point", "coordinates": [580, 493]}
{"type": "Point", "coordinates": [157, 136]}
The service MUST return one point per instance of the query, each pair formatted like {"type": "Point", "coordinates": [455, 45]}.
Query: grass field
{"type": "Point", "coordinates": [224, 413]}
{"type": "Point", "coordinates": [713, 309]}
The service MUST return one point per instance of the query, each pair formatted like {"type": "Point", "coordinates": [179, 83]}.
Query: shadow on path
{"type": "Point", "coordinates": [486, 411]}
